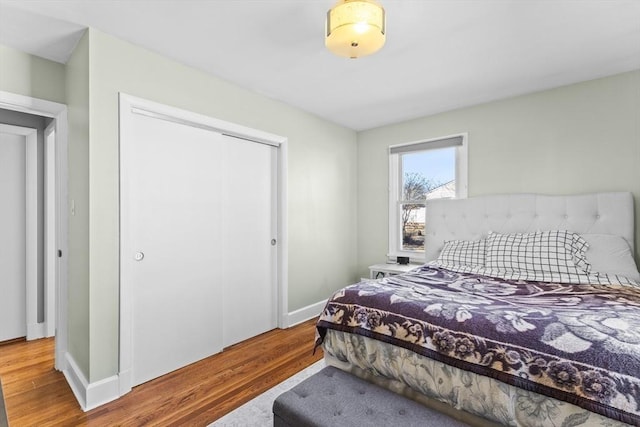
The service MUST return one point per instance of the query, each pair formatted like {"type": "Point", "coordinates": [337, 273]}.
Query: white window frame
{"type": "Point", "coordinates": [395, 192]}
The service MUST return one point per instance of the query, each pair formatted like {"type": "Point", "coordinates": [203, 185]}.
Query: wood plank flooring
{"type": "Point", "coordinates": [38, 395]}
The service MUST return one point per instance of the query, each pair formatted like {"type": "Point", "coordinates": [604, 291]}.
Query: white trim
{"type": "Point", "coordinates": [190, 118]}
{"type": "Point", "coordinates": [31, 218]}
{"type": "Point", "coordinates": [395, 177]}
{"type": "Point", "coordinates": [76, 380]}
{"type": "Point", "coordinates": [58, 112]}
{"type": "Point", "coordinates": [128, 105]}
{"type": "Point", "coordinates": [125, 382]}
{"type": "Point", "coordinates": [36, 330]}
{"type": "Point", "coordinates": [103, 391]}
{"type": "Point", "coordinates": [62, 237]}
{"type": "Point", "coordinates": [90, 395]}
{"type": "Point", "coordinates": [218, 128]}
{"type": "Point", "coordinates": [50, 228]}
{"type": "Point", "coordinates": [305, 313]}
{"type": "Point", "coordinates": [29, 105]}
{"type": "Point", "coordinates": [283, 244]}
{"type": "Point", "coordinates": [275, 249]}
{"type": "Point", "coordinates": [462, 168]}
{"type": "Point", "coordinates": [393, 190]}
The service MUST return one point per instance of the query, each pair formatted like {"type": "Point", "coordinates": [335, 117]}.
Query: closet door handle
{"type": "Point", "coordinates": [139, 256]}
{"type": "Point", "coordinates": [273, 242]}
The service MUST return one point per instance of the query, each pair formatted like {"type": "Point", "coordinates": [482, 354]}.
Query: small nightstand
{"type": "Point", "coordinates": [378, 271]}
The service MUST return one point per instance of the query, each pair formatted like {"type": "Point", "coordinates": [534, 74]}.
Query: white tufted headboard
{"type": "Point", "coordinates": [473, 218]}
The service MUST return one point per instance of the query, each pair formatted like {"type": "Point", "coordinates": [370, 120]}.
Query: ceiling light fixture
{"type": "Point", "coordinates": [355, 28]}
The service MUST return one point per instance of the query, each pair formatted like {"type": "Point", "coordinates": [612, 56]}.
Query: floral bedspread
{"type": "Point", "coordinates": [575, 343]}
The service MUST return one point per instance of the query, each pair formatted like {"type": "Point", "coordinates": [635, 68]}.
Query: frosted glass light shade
{"type": "Point", "coordinates": [355, 28]}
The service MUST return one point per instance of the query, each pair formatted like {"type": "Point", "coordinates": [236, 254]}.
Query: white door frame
{"type": "Point", "coordinates": [55, 321]}
{"type": "Point", "coordinates": [130, 105]}
{"type": "Point", "coordinates": [51, 208]}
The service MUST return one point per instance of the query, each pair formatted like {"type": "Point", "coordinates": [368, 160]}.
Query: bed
{"type": "Point", "coordinates": [527, 313]}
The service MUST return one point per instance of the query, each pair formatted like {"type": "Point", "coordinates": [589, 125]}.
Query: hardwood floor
{"type": "Point", "coordinates": [38, 395]}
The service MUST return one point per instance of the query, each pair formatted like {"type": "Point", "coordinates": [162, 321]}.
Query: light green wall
{"type": "Point", "coordinates": [77, 99]}
{"type": "Point", "coordinates": [321, 185]}
{"type": "Point", "coordinates": [30, 75]}
{"type": "Point", "coordinates": [574, 139]}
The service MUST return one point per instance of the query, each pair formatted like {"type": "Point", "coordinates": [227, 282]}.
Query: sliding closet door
{"type": "Point", "coordinates": [196, 231]}
{"type": "Point", "coordinates": [249, 300]}
{"type": "Point", "coordinates": [171, 235]}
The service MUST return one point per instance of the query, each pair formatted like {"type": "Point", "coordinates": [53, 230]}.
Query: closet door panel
{"type": "Point", "coordinates": [248, 229]}
{"type": "Point", "coordinates": [173, 244]}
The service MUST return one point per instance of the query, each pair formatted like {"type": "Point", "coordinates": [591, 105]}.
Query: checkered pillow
{"type": "Point", "coordinates": [542, 251]}
{"type": "Point", "coordinates": [463, 252]}
{"type": "Point", "coordinates": [579, 248]}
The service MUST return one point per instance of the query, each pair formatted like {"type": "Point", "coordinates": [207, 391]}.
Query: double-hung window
{"type": "Point", "coordinates": [418, 171]}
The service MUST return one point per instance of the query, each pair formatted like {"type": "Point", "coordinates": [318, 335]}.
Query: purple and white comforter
{"type": "Point", "coordinates": [576, 343]}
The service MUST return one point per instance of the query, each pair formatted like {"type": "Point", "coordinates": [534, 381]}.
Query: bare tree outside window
{"type": "Point", "coordinates": [415, 187]}
{"type": "Point", "coordinates": [417, 173]}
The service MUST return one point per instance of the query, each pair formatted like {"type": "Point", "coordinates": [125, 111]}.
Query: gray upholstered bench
{"type": "Point", "coordinates": [335, 398]}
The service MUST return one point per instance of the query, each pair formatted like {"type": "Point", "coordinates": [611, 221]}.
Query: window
{"type": "Point", "coordinates": [419, 171]}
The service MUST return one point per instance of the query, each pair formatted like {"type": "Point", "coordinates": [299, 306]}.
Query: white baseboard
{"type": "Point", "coordinates": [125, 382]}
{"type": "Point", "coordinates": [76, 380]}
{"type": "Point", "coordinates": [90, 395]}
{"type": "Point", "coordinates": [305, 313]}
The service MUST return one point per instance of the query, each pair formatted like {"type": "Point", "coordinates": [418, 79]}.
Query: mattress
{"type": "Point", "coordinates": [475, 399]}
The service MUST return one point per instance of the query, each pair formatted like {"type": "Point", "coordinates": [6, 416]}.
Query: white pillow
{"type": "Point", "coordinates": [611, 254]}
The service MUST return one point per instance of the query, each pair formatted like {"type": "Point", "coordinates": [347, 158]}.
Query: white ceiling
{"type": "Point", "coordinates": [440, 55]}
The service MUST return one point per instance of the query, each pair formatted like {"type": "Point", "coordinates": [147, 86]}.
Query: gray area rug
{"type": "Point", "coordinates": [257, 412]}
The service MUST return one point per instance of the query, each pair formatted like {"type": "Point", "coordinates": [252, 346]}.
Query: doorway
{"type": "Point", "coordinates": [48, 316]}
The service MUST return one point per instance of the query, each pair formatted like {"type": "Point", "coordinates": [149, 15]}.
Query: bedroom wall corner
{"type": "Point", "coordinates": [77, 95]}
{"type": "Point", "coordinates": [29, 75]}
{"type": "Point", "coordinates": [580, 138]}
